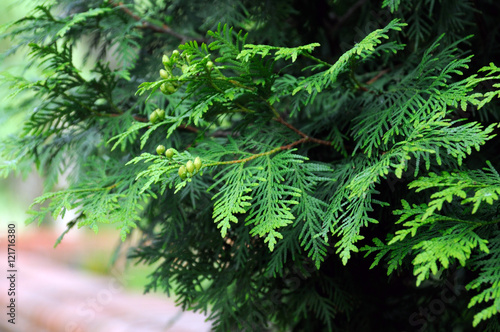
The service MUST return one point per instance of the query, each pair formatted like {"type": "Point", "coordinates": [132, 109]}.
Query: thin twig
{"type": "Point", "coordinates": [291, 145]}
{"type": "Point", "coordinates": [142, 119]}
{"type": "Point", "coordinates": [371, 81]}
{"type": "Point", "coordinates": [306, 137]}
{"type": "Point", "coordinates": [190, 128]}
{"type": "Point", "coordinates": [379, 75]}
{"type": "Point", "coordinates": [355, 81]}
{"type": "Point", "coordinates": [148, 25]}
{"type": "Point", "coordinates": [257, 155]}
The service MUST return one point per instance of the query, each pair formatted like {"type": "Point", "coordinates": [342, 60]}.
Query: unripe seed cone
{"type": "Point", "coordinates": [190, 167]}
{"type": "Point", "coordinates": [197, 163]}
{"type": "Point", "coordinates": [164, 74]}
{"type": "Point", "coordinates": [160, 149]}
{"type": "Point", "coordinates": [161, 114]}
{"type": "Point", "coordinates": [168, 88]}
{"type": "Point", "coordinates": [165, 60]}
{"type": "Point", "coordinates": [153, 117]}
{"type": "Point", "coordinates": [182, 172]}
{"type": "Point", "coordinates": [169, 153]}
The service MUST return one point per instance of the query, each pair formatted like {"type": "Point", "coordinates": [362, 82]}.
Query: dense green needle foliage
{"type": "Point", "coordinates": [301, 142]}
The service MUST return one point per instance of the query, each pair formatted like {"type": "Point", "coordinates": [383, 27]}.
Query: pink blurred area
{"type": "Point", "coordinates": [53, 294]}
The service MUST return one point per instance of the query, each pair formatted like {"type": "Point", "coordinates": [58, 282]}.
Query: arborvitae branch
{"type": "Point", "coordinates": [237, 214]}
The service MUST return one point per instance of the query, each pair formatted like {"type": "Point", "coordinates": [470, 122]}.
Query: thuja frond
{"type": "Point", "coordinates": [316, 83]}
{"type": "Point", "coordinates": [79, 18]}
{"type": "Point", "coordinates": [395, 254]}
{"type": "Point", "coordinates": [476, 187]}
{"type": "Point", "coordinates": [437, 238]}
{"type": "Point", "coordinates": [115, 200]}
{"type": "Point", "coordinates": [361, 184]}
{"type": "Point", "coordinates": [457, 242]}
{"type": "Point", "coordinates": [488, 282]}
{"type": "Point", "coordinates": [273, 199]}
{"type": "Point", "coordinates": [309, 178]}
{"type": "Point", "coordinates": [416, 99]}
{"type": "Point", "coordinates": [161, 170]}
{"type": "Point", "coordinates": [234, 195]}
{"type": "Point", "coordinates": [435, 242]}
{"type": "Point", "coordinates": [392, 4]}
{"type": "Point", "coordinates": [128, 135]}
{"type": "Point", "coordinates": [229, 43]}
{"type": "Point", "coordinates": [285, 53]}
{"type": "Point", "coordinates": [345, 216]}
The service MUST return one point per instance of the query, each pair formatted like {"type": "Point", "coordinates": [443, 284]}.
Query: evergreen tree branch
{"type": "Point", "coordinates": [232, 238]}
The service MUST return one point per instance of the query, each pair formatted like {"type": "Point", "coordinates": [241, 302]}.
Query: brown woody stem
{"type": "Point", "coordinates": [148, 25]}
{"type": "Point", "coordinates": [257, 155]}
{"type": "Point", "coordinates": [308, 139]}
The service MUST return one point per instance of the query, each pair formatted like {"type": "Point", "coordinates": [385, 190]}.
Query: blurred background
{"type": "Point", "coordinates": [85, 283]}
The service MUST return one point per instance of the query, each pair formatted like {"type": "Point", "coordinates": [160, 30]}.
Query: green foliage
{"type": "Point", "coordinates": [490, 278]}
{"type": "Point", "coordinates": [283, 156]}
{"type": "Point", "coordinates": [392, 4]}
